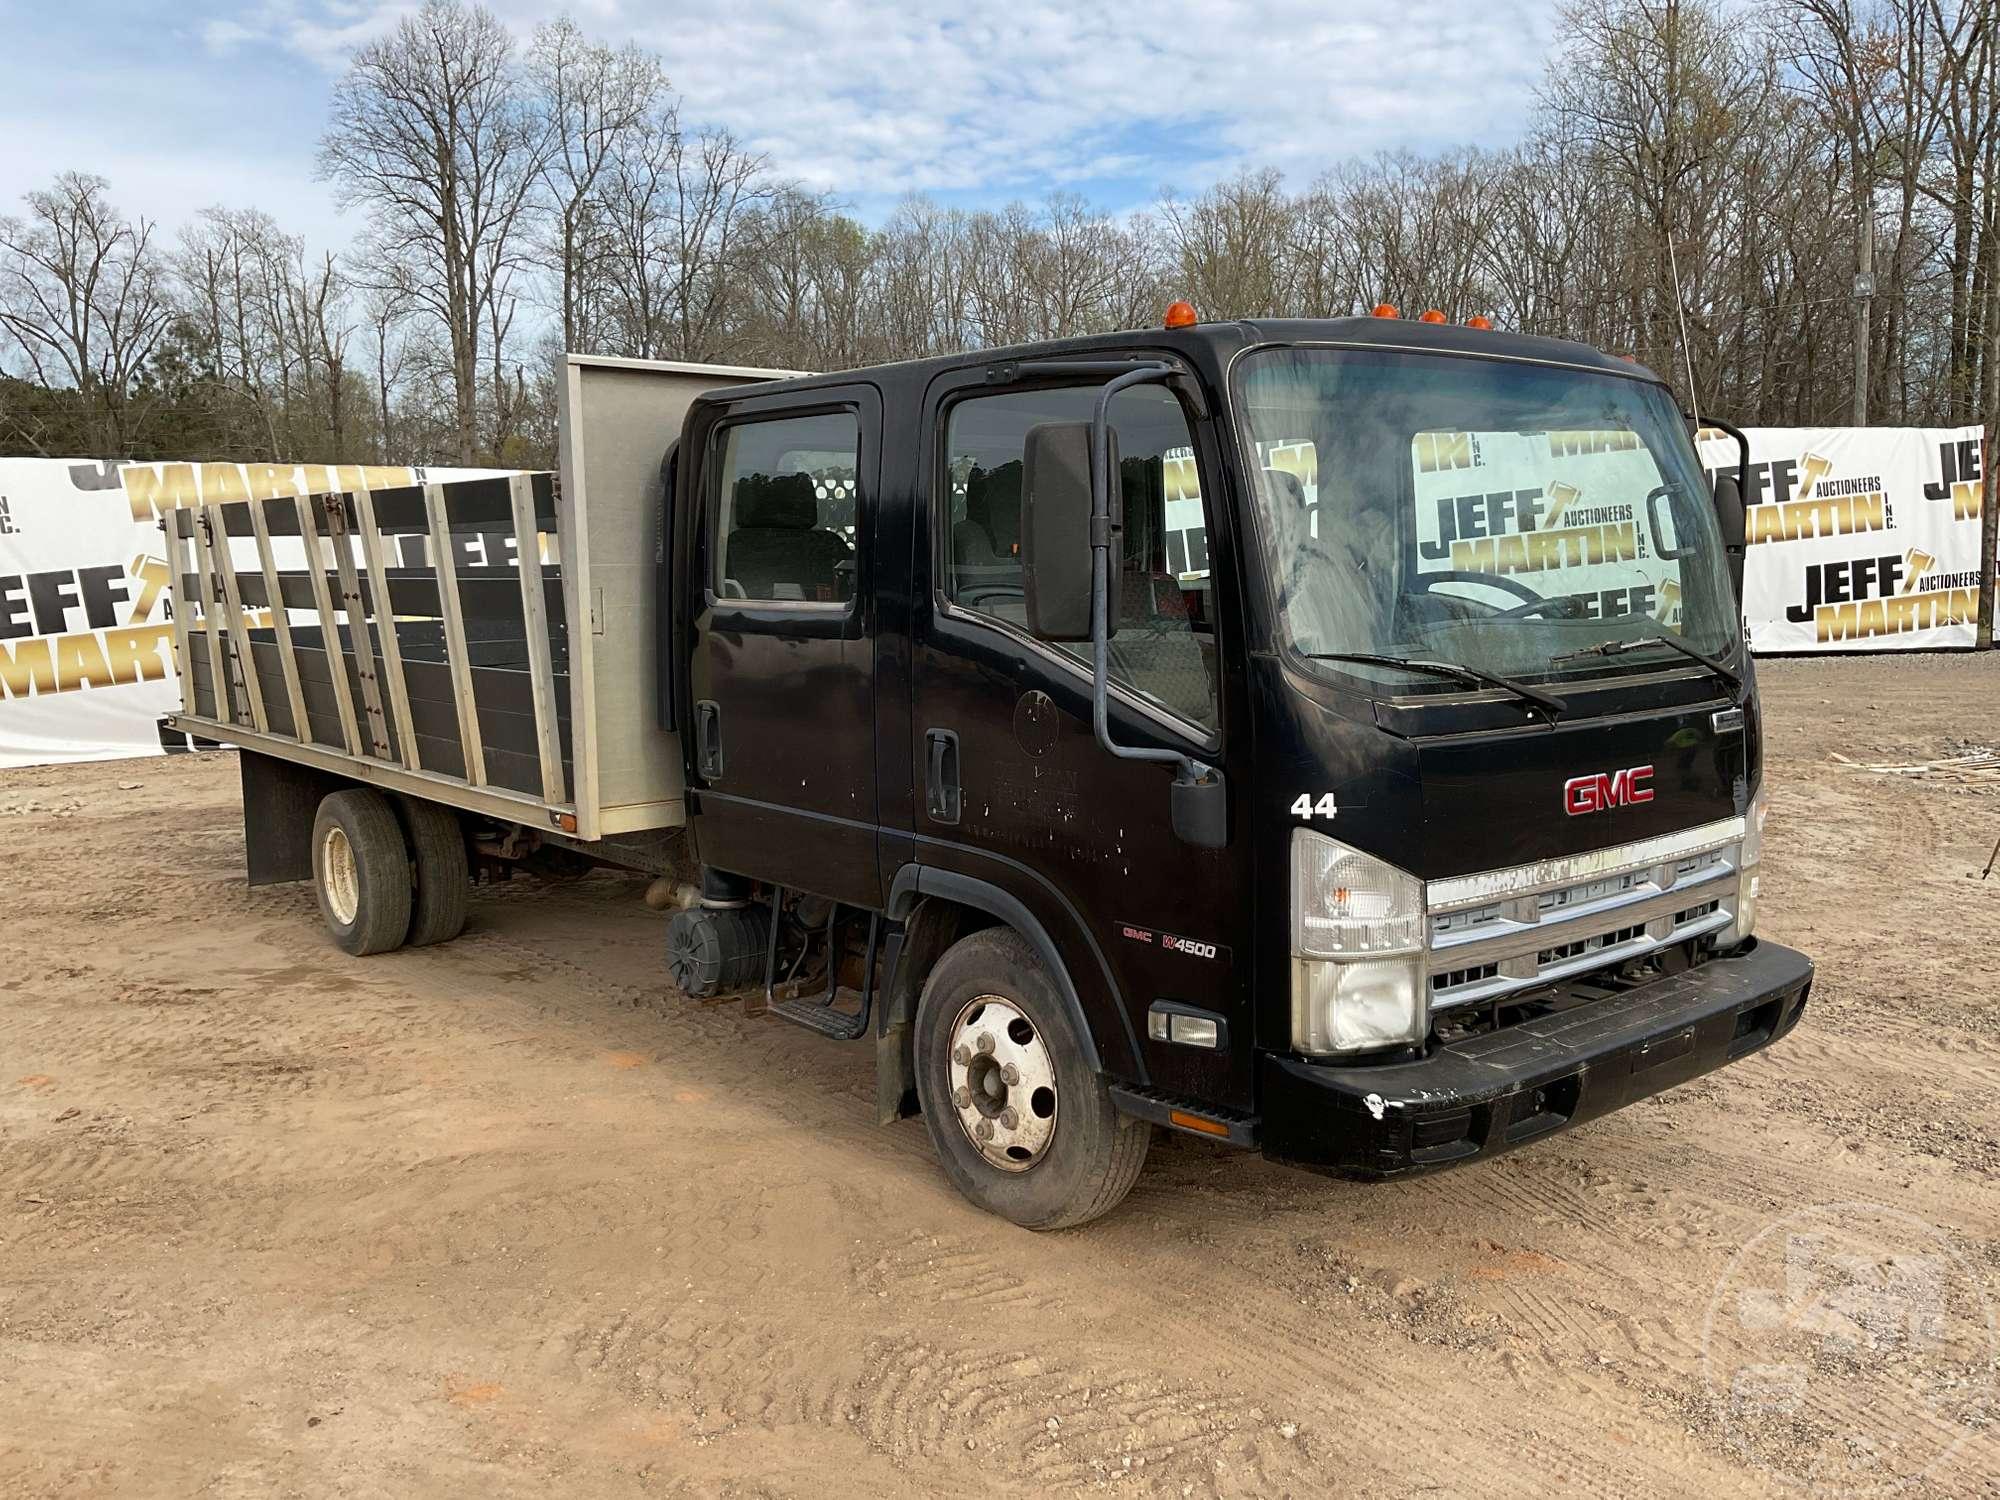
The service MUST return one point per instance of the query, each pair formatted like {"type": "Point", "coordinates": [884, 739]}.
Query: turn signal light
{"type": "Point", "coordinates": [1433, 315]}
{"type": "Point", "coordinates": [1181, 315]}
{"type": "Point", "coordinates": [1478, 320]}
{"type": "Point", "coordinates": [1385, 310]}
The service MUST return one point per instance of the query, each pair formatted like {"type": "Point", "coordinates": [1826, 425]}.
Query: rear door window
{"type": "Point", "coordinates": [783, 519]}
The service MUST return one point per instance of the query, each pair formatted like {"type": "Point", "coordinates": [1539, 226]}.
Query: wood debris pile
{"type": "Point", "coordinates": [1974, 765]}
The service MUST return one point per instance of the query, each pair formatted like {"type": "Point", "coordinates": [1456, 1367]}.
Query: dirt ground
{"type": "Point", "coordinates": [507, 1216]}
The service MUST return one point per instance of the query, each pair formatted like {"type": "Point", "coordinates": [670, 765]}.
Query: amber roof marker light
{"type": "Point", "coordinates": [1384, 310]}
{"type": "Point", "coordinates": [1433, 315]}
{"type": "Point", "coordinates": [1181, 315]}
{"type": "Point", "coordinates": [1480, 321]}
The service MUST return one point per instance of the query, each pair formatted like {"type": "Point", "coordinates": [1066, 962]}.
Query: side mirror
{"type": "Point", "coordinates": [1729, 511]}
{"type": "Point", "coordinates": [1729, 515]}
{"type": "Point", "coordinates": [1199, 804]}
{"type": "Point", "coordinates": [1055, 531]}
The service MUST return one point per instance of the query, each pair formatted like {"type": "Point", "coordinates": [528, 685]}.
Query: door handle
{"type": "Point", "coordinates": [941, 789]}
{"type": "Point", "coordinates": [708, 738]}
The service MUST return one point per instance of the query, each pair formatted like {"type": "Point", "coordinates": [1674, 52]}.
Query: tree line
{"type": "Point", "coordinates": [1793, 213]}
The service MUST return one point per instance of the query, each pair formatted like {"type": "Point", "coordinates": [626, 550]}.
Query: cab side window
{"type": "Point", "coordinates": [781, 522]}
{"type": "Point", "coordinates": [1163, 645]}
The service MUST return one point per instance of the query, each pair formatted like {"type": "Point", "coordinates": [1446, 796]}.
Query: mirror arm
{"type": "Point", "coordinates": [1101, 480]}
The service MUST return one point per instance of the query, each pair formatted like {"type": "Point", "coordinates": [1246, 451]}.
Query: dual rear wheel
{"type": "Point", "coordinates": [388, 874]}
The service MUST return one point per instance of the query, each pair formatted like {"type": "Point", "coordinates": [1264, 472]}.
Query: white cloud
{"type": "Point", "coordinates": [321, 31]}
{"type": "Point", "coordinates": [877, 97]}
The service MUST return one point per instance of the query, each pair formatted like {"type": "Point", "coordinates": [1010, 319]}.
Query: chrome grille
{"type": "Point", "coordinates": [1507, 930]}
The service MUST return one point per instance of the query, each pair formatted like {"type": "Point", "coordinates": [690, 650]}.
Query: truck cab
{"type": "Point", "coordinates": [1330, 738]}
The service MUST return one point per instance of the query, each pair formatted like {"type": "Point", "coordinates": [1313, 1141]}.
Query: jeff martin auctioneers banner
{"type": "Point", "coordinates": [1860, 538]}
{"type": "Point", "coordinates": [86, 640]}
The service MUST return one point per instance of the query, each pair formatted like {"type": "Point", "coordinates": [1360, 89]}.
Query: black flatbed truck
{"type": "Point", "coordinates": [1332, 738]}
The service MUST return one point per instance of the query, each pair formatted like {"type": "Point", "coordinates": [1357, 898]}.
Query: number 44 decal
{"type": "Point", "coordinates": [1305, 807]}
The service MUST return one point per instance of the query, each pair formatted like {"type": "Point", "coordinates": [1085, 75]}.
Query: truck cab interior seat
{"type": "Point", "coordinates": [990, 534]}
{"type": "Point", "coordinates": [986, 544]}
{"type": "Point", "coordinates": [777, 548]}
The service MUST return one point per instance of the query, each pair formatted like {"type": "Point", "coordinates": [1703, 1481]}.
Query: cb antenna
{"type": "Point", "coordinates": [1680, 312]}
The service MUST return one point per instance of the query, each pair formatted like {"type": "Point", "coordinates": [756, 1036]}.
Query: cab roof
{"type": "Point", "coordinates": [1214, 344]}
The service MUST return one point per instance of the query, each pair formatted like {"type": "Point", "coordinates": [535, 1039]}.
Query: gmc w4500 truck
{"type": "Point", "coordinates": [1334, 739]}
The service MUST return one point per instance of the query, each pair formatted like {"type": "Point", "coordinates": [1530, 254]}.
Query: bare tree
{"type": "Point", "coordinates": [594, 100]}
{"type": "Point", "coordinates": [81, 295]}
{"type": "Point", "coordinates": [431, 134]}
{"type": "Point", "coordinates": [1232, 244]}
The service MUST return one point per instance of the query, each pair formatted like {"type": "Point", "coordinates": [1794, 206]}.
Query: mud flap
{"type": "Point", "coordinates": [280, 800]}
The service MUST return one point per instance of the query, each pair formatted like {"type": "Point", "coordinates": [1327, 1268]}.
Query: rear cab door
{"type": "Point", "coordinates": [778, 581]}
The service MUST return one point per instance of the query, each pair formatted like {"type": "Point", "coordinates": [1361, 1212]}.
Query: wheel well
{"type": "Point", "coordinates": [942, 904]}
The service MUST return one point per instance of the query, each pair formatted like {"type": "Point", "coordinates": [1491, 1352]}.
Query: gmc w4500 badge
{"type": "Point", "coordinates": [1173, 942]}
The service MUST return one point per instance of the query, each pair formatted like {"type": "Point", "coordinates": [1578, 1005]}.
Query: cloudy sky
{"type": "Point", "coordinates": [215, 101]}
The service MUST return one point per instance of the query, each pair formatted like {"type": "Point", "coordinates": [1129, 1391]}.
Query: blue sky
{"type": "Point", "coordinates": [215, 101]}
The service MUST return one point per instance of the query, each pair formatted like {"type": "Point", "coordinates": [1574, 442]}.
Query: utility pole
{"type": "Point", "coordinates": [1989, 512]}
{"type": "Point", "coordinates": [1864, 292]}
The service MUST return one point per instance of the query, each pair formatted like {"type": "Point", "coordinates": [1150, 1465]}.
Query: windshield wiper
{"type": "Point", "coordinates": [1548, 703]}
{"type": "Point", "coordinates": [1665, 638]}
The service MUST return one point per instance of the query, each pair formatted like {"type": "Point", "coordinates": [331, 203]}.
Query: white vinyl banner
{"type": "Point", "coordinates": [86, 638]}
{"type": "Point", "coordinates": [1860, 538]}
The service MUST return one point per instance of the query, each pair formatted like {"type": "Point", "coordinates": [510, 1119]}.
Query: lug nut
{"type": "Point", "coordinates": [962, 1097]}
{"type": "Point", "coordinates": [961, 1054]}
{"type": "Point", "coordinates": [1009, 1118]}
{"type": "Point", "coordinates": [986, 1042]}
{"type": "Point", "coordinates": [1012, 1074]}
{"type": "Point", "coordinates": [986, 1130]}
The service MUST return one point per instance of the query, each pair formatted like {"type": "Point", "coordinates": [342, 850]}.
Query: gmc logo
{"type": "Point", "coordinates": [1589, 794]}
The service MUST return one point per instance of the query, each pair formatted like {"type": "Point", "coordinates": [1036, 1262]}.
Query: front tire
{"type": "Point", "coordinates": [361, 871]}
{"type": "Point", "coordinates": [1021, 1121]}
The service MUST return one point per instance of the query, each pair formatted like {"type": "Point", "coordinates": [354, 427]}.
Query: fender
{"type": "Point", "coordinates": [913, 881]}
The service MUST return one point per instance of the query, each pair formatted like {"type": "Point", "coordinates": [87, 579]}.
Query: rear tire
{"type": "Point", "coordinates": [444, 875]}
{"type": "Point", "coordinates": [361, 871]}
{"type": "Point", "coordinates": [1044, 1147]}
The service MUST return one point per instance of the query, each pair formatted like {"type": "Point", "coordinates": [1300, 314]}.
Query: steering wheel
{"type": "Point", "coordinates": [1495, 580]}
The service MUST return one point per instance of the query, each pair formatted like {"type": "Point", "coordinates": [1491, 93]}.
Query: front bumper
{"type": "Point", "coordinates": [1494, 1092]}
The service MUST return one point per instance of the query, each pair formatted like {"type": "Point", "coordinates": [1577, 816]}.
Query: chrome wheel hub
{"type": "Point", "coordinates": [339, 877]}
{"type": "Point", "coordinates": [1003, 1083]}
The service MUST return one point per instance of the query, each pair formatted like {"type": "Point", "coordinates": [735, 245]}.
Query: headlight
{"type": "Point", "coordinates": [1746, 872]}
{"type": "Point", "coordinates": [1359, 977]}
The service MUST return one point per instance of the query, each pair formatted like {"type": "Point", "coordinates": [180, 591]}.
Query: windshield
{"type": "Point", "coordinates": [1497, 514]}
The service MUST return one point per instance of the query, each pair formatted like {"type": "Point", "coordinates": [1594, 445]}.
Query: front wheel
{"type": "Point", "coordinates": [1023, 1124]}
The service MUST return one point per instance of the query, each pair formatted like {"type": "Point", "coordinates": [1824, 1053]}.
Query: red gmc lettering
{"type": "Point", "coordinates": [1589, 794]}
